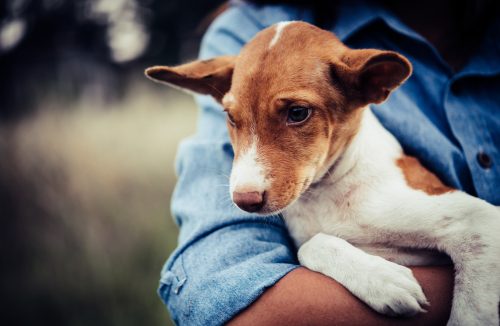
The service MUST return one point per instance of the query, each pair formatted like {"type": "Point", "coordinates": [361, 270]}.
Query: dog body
{"type": "Point", "coordinates": [307, 146]}
{"type": "Point", "coordinates": [363, 190]}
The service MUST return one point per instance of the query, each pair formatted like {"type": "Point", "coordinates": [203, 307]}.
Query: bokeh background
{"type": "Point", "coordinates": [87, 149]}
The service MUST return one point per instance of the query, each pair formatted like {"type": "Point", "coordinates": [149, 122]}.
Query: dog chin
{"type": "Point", "coordinates": [267, 210]}
{"type": "Point", "coordinates": [273, 210]}
{"type": "Point", "coordinates": [270, 212]}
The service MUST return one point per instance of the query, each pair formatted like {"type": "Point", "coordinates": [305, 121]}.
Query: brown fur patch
{"type": "Point", "coordinates": [418, 177]}
{"type": "Point", "coordinates": [308, 67]}
{"type": "Point", "coordinates": [297, 70]}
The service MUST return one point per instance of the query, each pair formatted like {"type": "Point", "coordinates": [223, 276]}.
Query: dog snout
{"type": "Point", "coordinates": [251, 201]}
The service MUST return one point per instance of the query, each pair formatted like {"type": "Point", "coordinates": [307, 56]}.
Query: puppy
{"type": "Point", "coordinates": [307, 146]}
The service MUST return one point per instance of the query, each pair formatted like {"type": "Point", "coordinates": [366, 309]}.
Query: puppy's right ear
{"type": "Point", "coordinates": [211, 77]}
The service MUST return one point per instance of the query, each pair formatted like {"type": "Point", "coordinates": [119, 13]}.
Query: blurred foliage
{"type": "Point", "coordinates": [82, 46]}
{"type": "Point", "coordinates": [85, 210]}
{"type": "Point", "coordinates": [86, 156]}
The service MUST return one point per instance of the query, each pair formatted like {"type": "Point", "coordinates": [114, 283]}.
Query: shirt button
{"type": "Point", "coordinates": [484, 160]}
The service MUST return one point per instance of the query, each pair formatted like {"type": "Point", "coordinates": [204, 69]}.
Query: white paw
{"type": "Point", "coordinates": [390, 289]}
{"type": "Point", "coordinates": [387, 287]}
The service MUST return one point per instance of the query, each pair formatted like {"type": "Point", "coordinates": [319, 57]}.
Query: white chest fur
{"type": "Point", "coordinates": [347, 201]}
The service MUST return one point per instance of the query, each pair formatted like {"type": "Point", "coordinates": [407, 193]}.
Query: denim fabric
{"type": "Point", "coordinates": [226, 258]}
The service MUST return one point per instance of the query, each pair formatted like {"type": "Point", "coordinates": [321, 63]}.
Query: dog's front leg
{"type": "Point", "coordinates": [464, 227]}
{"type": "Point", "coordinates": [387, 287]}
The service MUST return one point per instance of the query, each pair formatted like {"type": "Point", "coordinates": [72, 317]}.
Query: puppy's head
{"type": "Point", "coordinates": [293, 99]}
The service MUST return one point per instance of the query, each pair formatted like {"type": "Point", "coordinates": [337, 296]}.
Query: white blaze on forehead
{"type": "Point", "coordinates": [248, 173]}
{"type": "Point", "coordinates": [228, 99]}
{"type": "Point", "coordinates": [279, 30]}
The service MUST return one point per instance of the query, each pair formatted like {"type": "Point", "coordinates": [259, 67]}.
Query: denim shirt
{"type": "Point", "coordinates": [226, 258]}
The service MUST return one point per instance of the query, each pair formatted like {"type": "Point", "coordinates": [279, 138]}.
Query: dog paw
{"type": "Point", "coordinates": [391, 289]}
{"type": "Point", "coordinates": [387, 287]}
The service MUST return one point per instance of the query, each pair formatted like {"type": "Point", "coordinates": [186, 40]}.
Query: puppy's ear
{"type": "Point", "coordinates": [373, 74]}
{"type": "Point", "coordinates": [212, 77]}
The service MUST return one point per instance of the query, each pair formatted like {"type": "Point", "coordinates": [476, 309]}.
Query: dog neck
{"type": "Point", "coordinates": [371, 149]}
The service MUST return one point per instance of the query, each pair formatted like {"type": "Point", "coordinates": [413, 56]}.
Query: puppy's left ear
{"type": "Point", "coordinates": [211, 77]}
{"type": "Point", "coordinates": [374, 73]}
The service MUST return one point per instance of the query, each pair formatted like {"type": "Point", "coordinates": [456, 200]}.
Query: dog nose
{"type": "Point", "coordinates": [249, 201]}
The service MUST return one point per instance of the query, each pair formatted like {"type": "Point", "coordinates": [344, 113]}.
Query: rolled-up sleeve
{"type": "Point", "coordinates": [224, 271]}
{"type": "Point", "coordinates": [226, 258]}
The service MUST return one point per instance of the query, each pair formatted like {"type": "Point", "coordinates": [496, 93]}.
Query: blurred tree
{"type": "Point", "coordinates": [69, 48]}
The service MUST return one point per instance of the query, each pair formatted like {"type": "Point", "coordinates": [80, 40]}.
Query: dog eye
{"type": "Point", "coordinates": [297, 114]}
{"type": "Point", "coordinates": [230, 120]}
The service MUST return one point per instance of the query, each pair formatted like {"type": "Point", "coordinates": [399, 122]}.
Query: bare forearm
{"type": "Point", "coordinates": [304, 297]}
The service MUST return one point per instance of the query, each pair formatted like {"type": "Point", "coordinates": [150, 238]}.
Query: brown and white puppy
{"type": "Point", "coordinates": [307, 145]}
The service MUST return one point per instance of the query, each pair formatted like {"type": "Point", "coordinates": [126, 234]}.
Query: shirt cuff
{"type": "Point", "coordinates": [209, 282]}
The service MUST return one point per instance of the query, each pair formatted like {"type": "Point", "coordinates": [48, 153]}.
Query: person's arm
{"type": "Point", "coordinates": [304, 297]}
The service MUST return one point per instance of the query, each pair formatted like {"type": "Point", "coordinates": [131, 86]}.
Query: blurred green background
{"type": "Point", "coordinates": [87, 149]}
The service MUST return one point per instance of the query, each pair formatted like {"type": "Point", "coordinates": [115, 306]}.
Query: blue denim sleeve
{"type": "Point", "coordinates": [226, 258]}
